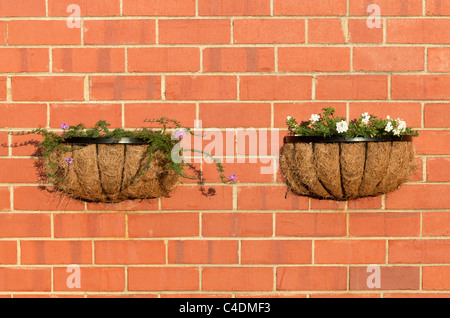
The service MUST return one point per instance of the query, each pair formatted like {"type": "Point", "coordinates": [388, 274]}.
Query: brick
{"type": "Point", "coordinates": [25, 279]}
{"type": "Point", "coordinates": [384, 224]}
{"type": "Point", "coordinates": [130, 252]}
{"type": "Point", "coordinates": [203, 252]}
{"type": "Point", "coordinates": [164, 59]}
{"type": "Point", "coordinates": [268, 31]}
{"type": "Point", "coordinates": [349, 252]}
{"type": "Point", "coordinates": [25, 225]}
{"type": "Point", "coordinates": [119, 32]}
{"type": "Point", "coordinates": [274, 87]}
{"type": "Point", "coordinates": [18, 171]}
{"type": "Point", "coordinates": [159, 7]}
{"type": "Point", "coordinates": [238, 59]}
{"type": "Point", "coordinates": [409, 112]}
{"type": "Point", "coordinates": [269, 295]}
{"type": "Point", "coordinates": [365, 203]}
{"type": "Point", "coordinates": [326, 31]}
{"type": "Point", "coordinates": [55, 252]}
{"type": "Point", "coordinates": [359, 32]}
{"type": "Point", "coordinates": [23, 115]}
{"type": "Point", "coordinates": [183, 31]}
{"type": "Point", "coordinates": [52, 295]}
{"type": "Point", "coordinates": [269, 198]}
{"type": "Point", "coordinates": [388, 58]}
{"type": "Point", "coordinates": [308, 59]}
{"type": "Point", "coordinates": [310, 224]}
{"type": "Point", "coordinates": [419, 251]}
{"type": "Point", "coordinates": [237, 279]}
{"type": "Point", "coordinates": [48, 88]}
{"type": "Point", "coordinates": [8, 252]}
{"type": "Point", "coordinates": [88, 60]}
{"type": "Point", "coordinates": [236, 224]}
{"type": "Point", "coordinates": [201, 87]}
{"type": "Point", "coordinates": [4, 199]}
{"type": "Point", "coordinates": [192, 198]}
{"type": "Point", "coordinates": [43, 200]}
{"type": "Point", "coordinates": [26, 145]}
{"type": "Point", "coordinates": [122, 295]}
{"type": "Point", "coordinates": [417, 30]}
{"type": "Point", "coordinates": [163, 225]}
{"type": "Point", "coordinates": [4, 144]}
{"type": "Point", "coordinates": [235, 115]}
{"type": "Point", "coordinates": [353, 87]}
{"type": "Point", "coordinates": [419, 196]}
{"type": "Point", "coordinates": [437, 7]}
{"type": "Point", "coordinates": [436, 115]}
{"type": "Point", "coordinates": [89, 8]}
{"type": "Point", "coordinates": [42, 32]}
{"type": "Point", "coordinates": [345, 295]}
{"type": "Point", "coordinates": [436, 224]}
{"type": "Point", "coordinates": [303, 111]}
{"type": "Point", "coordinates": [245, 172]}
{"type": "Point", "coordinates": [22, 8]}
{"type": "Point", "coordinates": [416, 295]}
{"type": "Point", "coordinates": [397, 8]}
{"type": "Point", "coordinates": [438, 59]}
{"type": "Point", "coordinates": [125, 87]}
{"type": "Point", "coordinates": [318, 278]}
{"type": "Point", "coordinates": [309, 7]}
{"type": "Point", "coordinates": [2, 88]}
{"type": "Point", "coordinates": [276, 252]}
{"type": "Point", "coordinates": [74, 225]}
{"type": "Point", "coordinates": [438, 169]}
{"type": "Point", "coordinates": [202, 295]}
{"type": "Point", "coordinates": [317, 204]}
{"type": "Point", "coordinates": [433, 142]}
{"type": "Point", "coordinates": [127, 205]}
{"type": "Point", "coordinates": [233, 7]}
{"type": "Point", "coordinates": [91, 279]}
{"type": "Point", "coordinates": [15, 60]}
{"type": "Point", "coordinates": [73, 114]}
{"type": "Point", "coordinates": [182, 112]}
{"type": "Point", "coordinates": [163, 278]}
{"type": "Point", "coordinates": [436, 278]}
{"type": "Point", "coordinates": [420, 87]}
{"type": "Point", "coordinates": [391, 278]}
{"type": "Point", "coordinates": [3, 32]}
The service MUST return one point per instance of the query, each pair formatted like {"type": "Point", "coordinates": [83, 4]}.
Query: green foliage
{"type": "Point", "coordinates": [159, 140]}
{"type": "Point", "coordinates": [327, 125]}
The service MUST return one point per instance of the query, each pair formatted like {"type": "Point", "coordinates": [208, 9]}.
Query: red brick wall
{"type": "Point", "coordinates": [229, 63]}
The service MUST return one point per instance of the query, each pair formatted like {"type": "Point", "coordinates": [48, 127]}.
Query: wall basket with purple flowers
{"type": "Point", "coordinates": [328, 158]}
{"type": "Point", "coordinates": [103, 165]}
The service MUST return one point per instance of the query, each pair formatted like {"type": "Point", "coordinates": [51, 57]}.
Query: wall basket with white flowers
{"type": "Point", "coordinates": [328, 158]}
{"type": "Point", "coordinates": [103, 165]}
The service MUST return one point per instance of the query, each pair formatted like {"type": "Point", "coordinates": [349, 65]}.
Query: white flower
{"type": "Point", "coordinates": [401, 125]}
{"type": "Point", "coordinates": [314, 117]}
{"type": "Point", "coordinates": [388, 117]}
{"type": "Point", "coordinates": [342, 126]}
{"type": "Point", "coordinates": [288, 118]}
{"type": "Point", "coordinates": [396, 131]}
{"type": "Point", "coordinates": [365, 118]}
{"type": "Point", "coordinates": [388, 127]}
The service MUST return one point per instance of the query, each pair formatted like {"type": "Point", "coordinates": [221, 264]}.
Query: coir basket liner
{"type": "Point", "coordinates": [345, 169]}
{"type": "Point", "coordinates": [106, 171]}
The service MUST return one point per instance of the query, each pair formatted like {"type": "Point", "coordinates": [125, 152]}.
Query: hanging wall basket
{"type": "Point", "coordinates": [345, 169]}
{"type": "Point", "coordinates": [105, 170]}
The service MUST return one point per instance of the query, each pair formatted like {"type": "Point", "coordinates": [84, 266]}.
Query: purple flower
{"type": "Point", "coordinates": [69, 161]}
{"type": "Point", "coordinates": [233, 178]}
{"type": "Point", "coordinates": [180, 134]}
{"type": "Point", "coordinates": [64, 126]}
